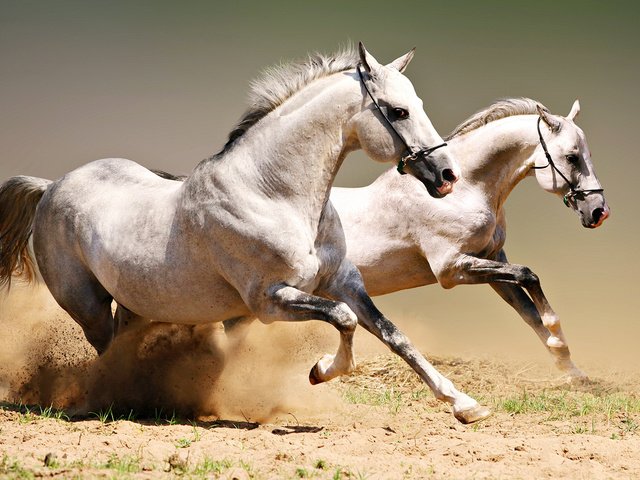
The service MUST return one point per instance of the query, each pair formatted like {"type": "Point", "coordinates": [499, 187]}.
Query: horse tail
{"type": "Point", "coordinates": [19, 197]}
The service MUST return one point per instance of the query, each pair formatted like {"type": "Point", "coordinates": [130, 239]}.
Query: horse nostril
{"type": "Point", "coordinates": [449, 176]}
{"type": "Point", "coordinates": [597, 214]}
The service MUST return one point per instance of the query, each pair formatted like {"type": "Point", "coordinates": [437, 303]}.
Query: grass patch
{"type": "Point", "coordinates": [122, 465]}
{"type": "Point", "coordinates": [385, 381]}
{"type": "Point", "coordinates": [589, 412]}
{"type": "Point", "coordinates": [33, 413]}
{"type": "Point", "coordinates": [248, 468]}
{"type": "Point", "coordinates": [341, 473]}
{"type": "Point", "coordinates": [105, 416]}
{"type": "Point", "coordinates": [209, 466]}
{"type": "Point", "coordinates": [562, 405]}
{"type": "Point", "coordinates": [595, 407]}
{"type": "Point", "coordinates": [52, 413]}
{"type": "Point", "coordinates": [302, 472]}
{"type": "Point", "coordinates": [12, 469]}
{"type": "Point", "coordinates": [183, 443]}
{"type": "Point", "coordinates": [186, 442]}
{"type": "Point", "coordinates": [389, 398]}
{"type": "Point", "coordinates": [161, 417]}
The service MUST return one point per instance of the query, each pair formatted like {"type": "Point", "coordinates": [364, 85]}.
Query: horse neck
{"type": "Point", "coordinates": [295, 151]}
{"type": "Point", "coordinates": [497, 156]}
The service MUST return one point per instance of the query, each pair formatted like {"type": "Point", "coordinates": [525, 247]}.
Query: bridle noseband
{"type": "Point", "coordinates": [573, 191]}
{"type": "Point", "coordinates": [417, 155]}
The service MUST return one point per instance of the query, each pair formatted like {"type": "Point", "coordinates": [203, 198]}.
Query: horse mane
{"type": "Point", "coordinates": [279, 83]}
{"type": "Point", "coordinates": [503, 108]}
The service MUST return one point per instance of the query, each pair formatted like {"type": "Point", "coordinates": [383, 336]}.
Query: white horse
{"type": "Point", "coordinates": [399, 238]}
{"type": "Point", "coordinates": [250, 233]}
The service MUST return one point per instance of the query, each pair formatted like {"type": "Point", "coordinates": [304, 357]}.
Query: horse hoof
{"type": "Point", "coordinates": [314, 376]}
{"type": "Point", "coordinates": [472, 415]}
{"type": "Point", "coordinates": [578, 378]}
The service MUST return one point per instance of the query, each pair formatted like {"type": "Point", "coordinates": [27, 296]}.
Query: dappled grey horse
{"type": "Point", "coordinates": [250, 233]}
{"type": "Point", "coordinates": [399, 238]}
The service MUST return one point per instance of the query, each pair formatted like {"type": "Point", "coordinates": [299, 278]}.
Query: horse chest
{"type": "Point", "coordinates": [473, 229]}
{"type": "Point", "coordinates": [485, 236]}
{"type": "Point", "coordinates": [274, 245]}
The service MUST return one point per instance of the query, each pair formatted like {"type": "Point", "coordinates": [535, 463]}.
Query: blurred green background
{"type": "Point", "coordinates": [162, 83]}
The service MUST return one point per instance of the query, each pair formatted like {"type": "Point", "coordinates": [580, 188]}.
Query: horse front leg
{"type": "Point", "coordinates": [290, 304]}
{"type": "Point", "coordinates": [474, 270]}
{"type": "Point", "coordinates": [348, 287]}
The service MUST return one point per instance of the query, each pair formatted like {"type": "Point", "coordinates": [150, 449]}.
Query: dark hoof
{"type": "Point", "coordinates": [314, 377]}
{"type": "Point", "coordinates": [472, 415]}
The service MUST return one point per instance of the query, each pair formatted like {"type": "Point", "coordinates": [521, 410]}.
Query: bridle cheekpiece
{"type": "Point", "coordinates": [573, 192]}
{"type": "Point", "coordinates": [413, 154]}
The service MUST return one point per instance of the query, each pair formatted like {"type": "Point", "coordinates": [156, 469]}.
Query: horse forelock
{"type": "Point", "coordinates": [279, 83]}
{"type": "Point", "coordinates": [504, 108]}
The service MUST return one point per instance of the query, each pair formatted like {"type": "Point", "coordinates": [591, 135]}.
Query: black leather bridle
{"type": "Point", "coordinates": [573, 192]}
{"type": "Point", "coordinates": [414, 154]}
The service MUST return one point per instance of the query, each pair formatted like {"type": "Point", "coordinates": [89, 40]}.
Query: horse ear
{"type": "Point", "coordinates": [575, 110]}
{"type": "Point", "coordinates": [547, 118]}
{"type": "Point", "coordinates": [401, 63]}
{"type": "Point", "coordinates": [368, 62]}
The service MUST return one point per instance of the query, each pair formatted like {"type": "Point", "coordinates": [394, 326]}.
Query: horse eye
{"type": "Point", "coordinates": [572, 158]}
{"type": "Point", "coordinates": [400, 113]}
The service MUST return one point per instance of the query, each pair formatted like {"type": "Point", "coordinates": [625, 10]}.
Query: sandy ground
{"type": "Point", "coordinates": [252, 413]}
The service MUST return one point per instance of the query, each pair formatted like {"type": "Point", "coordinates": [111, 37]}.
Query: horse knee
{"type": "Point", "coordinates": [346, 319]}
{"type": "Point", "coordinates": [527, 278]}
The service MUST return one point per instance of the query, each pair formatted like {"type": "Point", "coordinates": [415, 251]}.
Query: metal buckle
{"type": "Point", "coordinates": [403, 162]}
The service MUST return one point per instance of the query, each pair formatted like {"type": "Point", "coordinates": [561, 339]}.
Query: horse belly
{"type": "Point", "coordinates": [396, 270]}
{"type": "Point", "coordinates": [163, 280]}
{"type": "Point", "coordinates": [181, 298]}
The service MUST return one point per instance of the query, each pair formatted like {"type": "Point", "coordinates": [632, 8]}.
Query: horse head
{"type": "Point", "coordinates": [563, 166]}
{"type": "Point", "coordinates": [393, 127]}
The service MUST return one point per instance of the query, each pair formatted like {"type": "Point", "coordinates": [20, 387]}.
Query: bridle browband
{"type": "Point", "coordinates": [413, 154]}
{"type": "Point", "coordinates": [573, 191]}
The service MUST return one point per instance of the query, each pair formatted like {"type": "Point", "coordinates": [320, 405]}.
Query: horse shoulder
{"type": "Point", "coordinates": [464, 224]}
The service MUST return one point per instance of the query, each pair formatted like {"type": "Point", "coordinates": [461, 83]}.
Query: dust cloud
{"type": "Point", "coordinates": [159, 369]}
{"type": "Point", "coordinates": [257, 374]}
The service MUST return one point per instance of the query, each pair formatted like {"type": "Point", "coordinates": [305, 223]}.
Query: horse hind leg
{"type": "Point", "coordinates": [515, 296]}
{"type": "Point", "coordinates": [125, 320]}
{"type": "Point", "coordinates": [89, 304]}
{"type": "Point", "coordinates": [95, 318]}
{"type": "Point", "coordinates": [532, 306]}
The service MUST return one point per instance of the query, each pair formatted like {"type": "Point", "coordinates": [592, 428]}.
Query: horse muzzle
{"type": "Point", "coordinates": [448, 179]}
{"type": "Point", "coordinates": [593, 210]}
{"type": "Point", "coordinates": [436, 172]}
{"type": "Point", "coordinates": [598, 216]}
